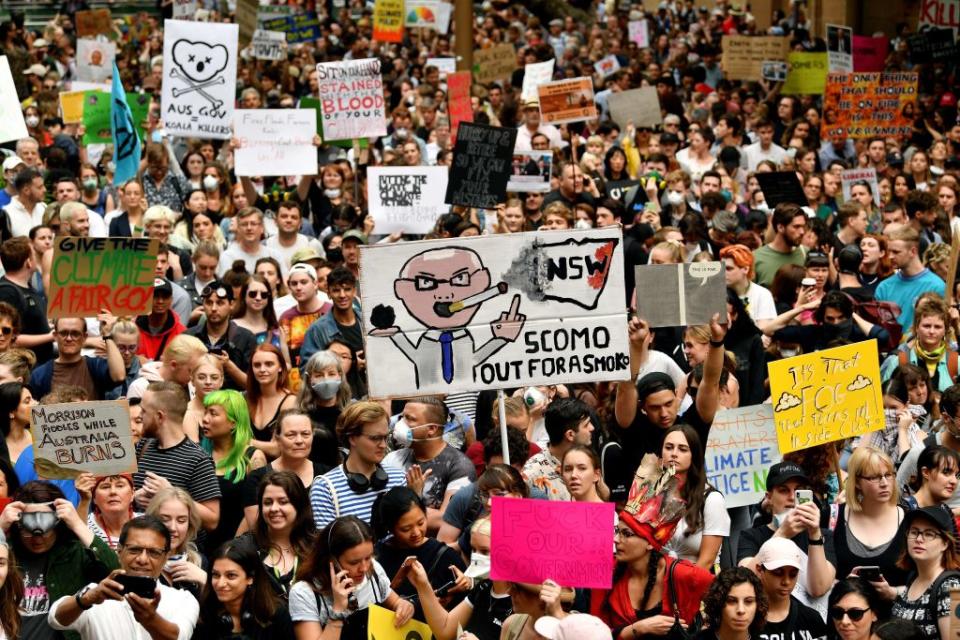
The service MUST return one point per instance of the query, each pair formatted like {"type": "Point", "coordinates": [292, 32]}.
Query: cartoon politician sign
{"type": "Point", "coordinates": [488, 312]}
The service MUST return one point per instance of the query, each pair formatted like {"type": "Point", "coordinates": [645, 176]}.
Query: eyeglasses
{"type": "Point", "coordinates": [855, 615]}
{"type": "Point", "coordinates": [127, 348]}
{"type": "Point", "coordinates": [624, 533]}
{"type": "Point", "coordinates": [429, 283]}
{"type": "Point", "coordinates": [153, 552]}
{"type": "Point", "coordinates": [927, 535]}
{"type": "Point", "coordinates": [70, 335]}
{"type": "Point", "coordinates": [886, 477]}
{"type": "Point", "coordinates": [258, 295]}
{"type": "Point", "coordinates": [375, 439]}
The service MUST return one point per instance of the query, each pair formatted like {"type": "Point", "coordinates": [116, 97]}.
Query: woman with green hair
{"type": "Point", "coordinates": [226, 435]}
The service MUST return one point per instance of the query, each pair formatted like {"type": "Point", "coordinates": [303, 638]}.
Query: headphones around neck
{"type": "Point", "coordinates": [225, 620]}
{"type": "Point", "coordinates": [360, 483]}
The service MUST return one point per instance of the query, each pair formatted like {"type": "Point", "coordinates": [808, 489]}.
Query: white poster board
{"type": "Point", "coordinates": [607, 66]}
{"type": "Point", "coordinates": [533, 76]}
{"type": "Point", "coordinates": [530, 172]}
{"type": "Point", "coordinates": [12, 126]}
{"type": "Point", "coordinates": [351, 99]}
{"type": "Point", "coordinates": [444, 65]}
{"type": "Point", "coordinates": [199, 78]}
{"type": "Point", "coordinates": [639, 32]}
{"type": "Point", "coordinates": [468, 314]}
{"type": "Point", "coordinates": [95, 60]}
{"type": "Point", "coordinates": [868, 174]}
{"type": "Point", "coordinates": [185, 9]}
{"type": "Point", "coordinates": [406, 199]}
{"type": "Point", "coordinates": [76, 437]}
{"type": "Point", "coordinates": [839, 48]}
{"type": "Point", "coordinates": [275, 142]}
{"type": "Point", "coordinates": [269, 45]}
{"type": "Point", "coordinates": [639, 106]}
{"type": "Point", "coordinates": [740, 450]}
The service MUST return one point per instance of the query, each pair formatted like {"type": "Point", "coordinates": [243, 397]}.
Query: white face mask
{"type": "Point", "coordinates": [479, 568]}
{"type": "Point", "coordinates": [401, 132]}
{"type": "Point", "coordinates": [326, 389]}
{"type": "Point", "coordinates": [32, 121]}
{"type": "Point", "coordinates": [789, 353]}
{"type": "Point", "coordinates": [533, 396]}
{"type": "Point", "coordinates": [583, 224]}
{"type": "Point", "coordinates": [210, 183]}
{"type": "Point", "coordinates": [403, 433]}
{"type": "Point", "coordinates": [674, 197]}
{"type": "Point", "coordinates": [332, 193]}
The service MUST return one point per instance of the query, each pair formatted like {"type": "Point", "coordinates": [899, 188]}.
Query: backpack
{"type": "Point", "coordinates": [884, 314]}
{"type": "Point", "coordinates": [952, 362]}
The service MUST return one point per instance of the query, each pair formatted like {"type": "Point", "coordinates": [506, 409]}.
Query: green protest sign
{"type": "Point", "coordinates": [96, 114]}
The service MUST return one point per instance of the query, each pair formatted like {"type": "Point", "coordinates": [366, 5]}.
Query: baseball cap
{"type": "Point", "coordinates": [780, 552]}
{"type": "Point", "coordinates": [35, 70]}
{"type": "Point", "coordinates": [653, 383]}
{"type": "Point", "coordinates": [218, 288]}
{"type": "Point", "coordinates": [938, 515]}
{"type": "Point", "coordinates": [306, 255]}
{"type": "Point", "coordinates": [162, 287]}
{"type": "Point", "coordinates": [669, 138]}
{"type": "Point", "coordinates": [302, 267]}
{"type": "Point", "coordinates": [353, 234]}
{"type": "Point", "coordinates": [12, 163]}
{"type": "Point", "coordinates": [783, 471]}
{"type": "Point", "coordinates": [576, 626]}
{"type": "Point", "coordinates": [40, 43]}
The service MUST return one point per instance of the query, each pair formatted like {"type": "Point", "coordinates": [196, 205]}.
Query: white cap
{"type": "Point", "coordinates": [36, 70]}
{"type": "Point", "coordinates": [576, 626]}
{"type": "Point", "coordinates": [780, 552]}
{"type": "Point", "coordinates": [12, 163]}
{"type": "Point", "coordinates": [302, 267]}
{"type": "Point", "coordinates": [40, 43]}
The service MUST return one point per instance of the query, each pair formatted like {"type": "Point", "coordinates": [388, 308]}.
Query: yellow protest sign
{"type": "Point", "coordinates": [380, 627]}
{"type": "Point", "coordinates": [826, 395]}
{"type": "Point", "coordinates": [71, 106]}
{"type": "Point", "coordinates": [806, 74]}
{"type": "Point", "coordinates": [388, 20]}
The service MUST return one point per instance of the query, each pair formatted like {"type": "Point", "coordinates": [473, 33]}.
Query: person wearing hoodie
{"type": "Point", "coordinates": [161, 325]}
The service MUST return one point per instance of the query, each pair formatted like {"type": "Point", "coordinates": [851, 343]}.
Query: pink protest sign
{"type": "Point", "coordinates": [570, 543]}
{"type": "Point", "coordinates": [869, 54]}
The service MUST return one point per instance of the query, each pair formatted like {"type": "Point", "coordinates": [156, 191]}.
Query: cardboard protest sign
{"type": "Point", "coordinates": [568, 542]}
{"type": "Point", "coordinates": [200, 78]}
{"type": "Point", "coordinates": [380, 626]}
{"type": "Point", "coordinates": [12, 126]}
{"type": "Point", "coordinates": [388, 20]}
{"type": "Point", "coordinates": [269, 45]}
{"type": "Point", "coordinates": [299, 28]}
{"type": "Point", "coordinates": [351, 98]}
{"type": "Point", "coordinates": [481, 165]}
{"type": "Point", "coordinates": [781, 186]}
{"type": "Point", "coordinates": [246, 15]}
{"type": "Point", "coordinates": [840, 47]}
{"type": "Point", "coordinates": [607, 66]}
{"type": "Point", "coordinates": [870, 104]}
{"type": "Point", "coordinates": [567, 101]}
{"type": "Point", "coordinates": [185, 9]}
{"type": "Point", "coordinates": [76, 437]}
{"type": "Point", "coordinates": [71, 106]}
{"type": "Point", "coordinates": [851, 176]}
{"type": "Point", "coordinates": [639, 106]}
{"type": "Point", "coordinates": [95, 60]}
{"type": "Point", "coordinates": [533, 76]}
{"type": "Point", "coordinates": [92, 22]}
{"type": "Point", "coordinates": [407, 199]}
{"type": "Point", "coordinates": [530, 171]}
{"type": "Point", "coordinates": [740, 449]}
{"type": "Point", "coordinates": [524, 309]}
{"type": "Point", "coordinates": [445, 66]}
{"type": "Point", "coordinates": [940, 13]}
{"type": "Point", "coordinates": [495, 63]}
{"type": "Point", "coordinates": [90, 274]}
{"type": "Point", "coordinates": [806, 73]}
{"type": "Point", "coordinates": [933, 45]}
{"type": "Point", "coordinates": [96, 114]}
{"type": "Point", "coordinates": [639, 32]}
{"type": "Point", "coordinates": [459, 106]}
{"type": "Point", "coordinates": [677, 295]}
{"type": "Point", "coordinates": [275, 142]}
{"type": "Point", "coordinates": [869, 54]}
{"type": "Point", "coordinates": [826, 395]}
{"type": "Point", "coordinates": [743, 55]}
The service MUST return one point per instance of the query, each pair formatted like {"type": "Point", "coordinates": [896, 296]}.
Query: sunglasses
{"type": "Point", "coordinates": [6, 330]}
{"type": "Point", "coordinates": [856, 615]}
{"type": "Point", "coordinates": [258, 295]}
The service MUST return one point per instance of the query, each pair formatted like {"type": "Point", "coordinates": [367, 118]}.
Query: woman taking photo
{"type": "Point", "coordinates": [256, 314]}
{"type": "Point", "coordinates": [112, 507]}
{"type": "Point", "coordinates": [16, 406]}
{"type": "Point", "coordinates": [207, 377]}
{"type": "Point", "coordinates": [854, 607]}
{"type": "Point", "coordinates": [283, 530]}
{"type": "Point", "coordinates": [327, 391]}
{"type": "Point", "coordinates": [267, 395]}
{"type": "Point", "coordinates": [735, 607]}
{"type": "Point", "coordinates": [929, 347]}
{"type": "Point", "coordinates": [227, 437]}
{"type": "Point", "coordinates": [239, 600]}
{"type": "Point", "coordinates": [337, 583]}
{"type": "Point", "coordinates": [184, 568]}
{"type": "Point", "coordinates": [580, 468]}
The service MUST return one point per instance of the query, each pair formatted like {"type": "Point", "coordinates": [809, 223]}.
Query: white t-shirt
{"type": "Point", "coordinates": [303, 242]}
{"type": "Point", "coordinates": [234, 252]}
{"type": "Point", "coordinates": [760, 303]}
{"type": "Point", "coordinates": [304, 600]}
{"type": "Point", "coordinates": [716, 522]}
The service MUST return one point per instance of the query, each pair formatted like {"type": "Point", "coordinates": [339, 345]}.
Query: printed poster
{"type": "Point", "coordinates": [388, 20]}
{"type": "Point", "coordinates": [840, 48]}
{"type": "Point", "coordinates": [200, 78]}
{"type": "Point", "coordinates": [95, 60]}
{"type": "Point", "coordinates": [530, 172]}
{"type": "Point", "coordinates": [567, 101]}
{"type": "Point", "coordinates": [851, 176]}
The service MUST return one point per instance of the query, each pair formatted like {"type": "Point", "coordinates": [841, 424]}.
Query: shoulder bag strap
{"type": "Point", "coordinates": [333, 495]}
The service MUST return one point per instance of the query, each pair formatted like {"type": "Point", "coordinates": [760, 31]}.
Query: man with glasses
{"type": "Point", "coordinates": [71, 367]}
{"type": "Point", "coordinates": [222, 336]}
{"type": "Point", "coordinates": [248, 246]}
{"type": "Point", "coordinates": [351, 488]}
{"type": "Point", "coordinates": [105, 611]}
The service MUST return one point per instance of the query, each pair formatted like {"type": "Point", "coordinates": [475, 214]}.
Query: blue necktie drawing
{"type": "Point", "coordinates": [446, 355]}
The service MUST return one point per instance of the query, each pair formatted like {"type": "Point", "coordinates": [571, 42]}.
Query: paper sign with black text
{"type": "Point", "coordinates": [481, 165]}
{"type": "Point", "coordinates": [497, 311]}
{"type": "Point", "coordinates": [269, 45]}
{"type": "Point", "coordinates": [675, 295]}
{"type": "Point", "coordinates": [199, 78]}
{"type": "Point", "coordinates": [275, 142]}
{"type": "Point", "coordinates": [351, 99]}
{"type": "Point", "coordinates": [76, 437]}
{"type": "Point", "coordinates": [406, 199]}
{"type": "Point", "coordinates": [741, 447]}
{"type": "Point", "coordinates": [567, 101]}
{"type": "Point", "coordinates": [496, 63]}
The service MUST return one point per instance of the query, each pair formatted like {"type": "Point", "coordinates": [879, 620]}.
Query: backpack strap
{"type": "Point", "coordinates": [903, 356]}
{"type": "Point", "coordinates": [333, 495]}
{"type": "Point", "coordinates": [935, 589]}
{"type": "Point", "coordinates": [834, 516]}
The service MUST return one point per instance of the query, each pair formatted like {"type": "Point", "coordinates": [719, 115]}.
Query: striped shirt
{"type": "Point", "coordinates": [184, 465]}
{"type": "Point", "coordinates": [344, 501]}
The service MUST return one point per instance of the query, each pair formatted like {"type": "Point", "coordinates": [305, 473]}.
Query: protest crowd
{"type": "Point", "coordinates": [298, 337]}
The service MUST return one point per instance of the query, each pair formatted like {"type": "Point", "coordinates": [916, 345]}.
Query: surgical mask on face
{"type": "Point", "coordinates": [210, 183]}
{"type": "Point", "coordinates": [332, 193]}
{"type": "Point", "coordinates": [533, 396]}
{"type": "Point", "coordinates": [401, 132]}
{"type": "Point", "coordinates": [38, 522]}
{"type": "Point", "coordinates": [403, 433]}
{"type": "Point", "coordinates": [90, 184]}
{"type": "Point", "coordinates": [326, 389]}
{"type": "Point", "coordinates": [674, 197]}
{"type": "Point", "coordinates": [763, 206]}
{"type": "Point", "coordinates": [789, 353]}
{"type": "Point", "coordinates": [479, 568]}
{"type": "Point", "coordinates": [32, 121]}
{"type": "Point", "coordinates": [583, 224]}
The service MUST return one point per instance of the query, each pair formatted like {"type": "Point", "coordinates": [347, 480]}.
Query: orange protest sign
{"type": "Point", "coordinates": [388, 20]}
{"type": "Point", "coordinates": [864, 105]}
{"type": "Point", "coordinates": [567, 101]}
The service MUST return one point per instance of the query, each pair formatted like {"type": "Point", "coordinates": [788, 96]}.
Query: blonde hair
{"type": "Point", "coordinates": [677, 251]}
{"type": "Point", "coordinates": [127, 327]}
{"type": "Point", "coordinates": [868, 460]}
{"type": "Point", "coordinates": [210, 360]}
{"type": "Point", "coordinates": [193, 514]}
{"type": "Point", "coordinates": [158, 212]}
{"type": "Point", "coordinates": [182, 348]}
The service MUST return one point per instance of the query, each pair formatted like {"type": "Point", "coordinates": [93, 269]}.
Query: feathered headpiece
{"type": "Point", "coordinates": [653, 506]}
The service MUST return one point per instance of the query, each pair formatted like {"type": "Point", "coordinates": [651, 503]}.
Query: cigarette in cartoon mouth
{"type": "Point", "coordinates": [447, 309]}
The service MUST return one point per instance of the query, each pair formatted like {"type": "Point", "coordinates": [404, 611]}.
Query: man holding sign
{"type": "Point", "coordinates": [96, 376]}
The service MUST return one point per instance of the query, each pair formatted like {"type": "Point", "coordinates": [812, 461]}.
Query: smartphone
{"type": "Point", "coordinates": [216, 350]}
{"type": "Point", "coordinates": [352, 603]}
{"type": "Point", "coordinates": [141, 585]}
{"type": "Point", "coordinates": [870, 574]}
{"type": "Point", "coordinates": [803, 496]}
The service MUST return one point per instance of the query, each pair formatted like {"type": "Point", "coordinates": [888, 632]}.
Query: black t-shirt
{"type": "Point", "coordinates": [489, 611]}
{"type": "Point", "coordinates": [352, 335]}
{"type": "Point", "coordinates": [802, 623]}
{"type": "Point", "coordinates": [252, 482]}
{"type": "Point", "coordinates": [643, 437]}
{"type": "Point", "coordinates": [33, 314]}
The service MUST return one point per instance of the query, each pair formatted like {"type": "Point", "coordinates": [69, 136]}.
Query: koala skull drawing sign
{"type": "Point", "coordinates": [199, 84]}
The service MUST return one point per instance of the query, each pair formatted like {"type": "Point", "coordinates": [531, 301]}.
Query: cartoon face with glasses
{"type": "Point", "coordinates": [443, 290]}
